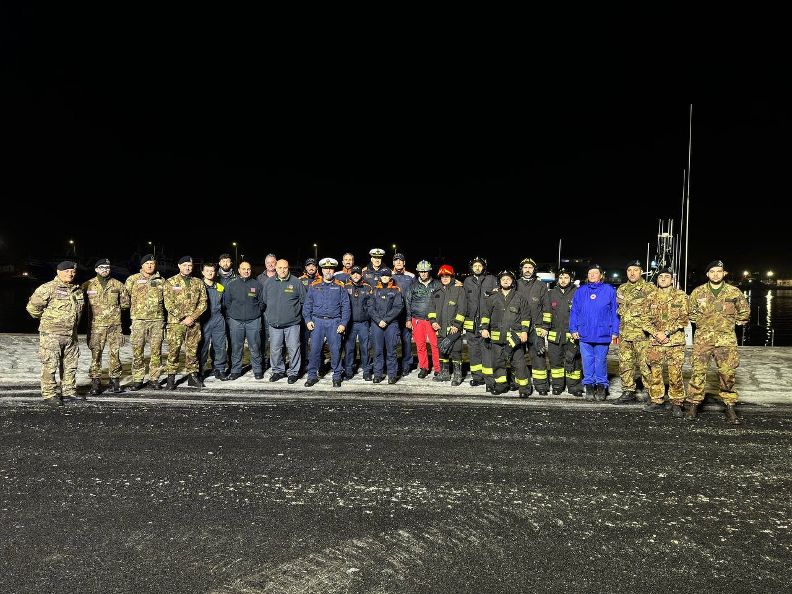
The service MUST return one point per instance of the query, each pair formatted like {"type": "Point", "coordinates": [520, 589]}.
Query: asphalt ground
{"type": "Point", "coordinates": [314, 493]}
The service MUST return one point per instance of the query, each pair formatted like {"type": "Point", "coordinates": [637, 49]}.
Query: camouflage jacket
{"type": "Point", "coordinates": [146, 294]}
{"type": "Point", "coordinates": [184, 299]}
{"type": "Point", "coordinates": [106, 301]}
{"type": "Point", "coordinates": [58, 305]}
{"type": "Point", "coordinates": [666, 310]}
{"type": "Point", "coordinates": [715, 317]}
{"type": "Point", "coordinates": [630, 297]}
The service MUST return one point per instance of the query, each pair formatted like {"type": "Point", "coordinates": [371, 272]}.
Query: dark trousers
{"type": "Point", "coordinates": [325, 330]}
{"type": "Point", "coordinates": [241, 330]}
{"type": "Point", "coordinates": [359, 331]}
{"type": "Point", "coordinates": [385, 341]}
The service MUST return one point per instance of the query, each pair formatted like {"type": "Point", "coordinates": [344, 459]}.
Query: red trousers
{"type": "Point", "coordinates": [422, 329]}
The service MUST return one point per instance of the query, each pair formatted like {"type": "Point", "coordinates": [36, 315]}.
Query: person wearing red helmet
{"type": "Point", "coordinates": [447, 314]}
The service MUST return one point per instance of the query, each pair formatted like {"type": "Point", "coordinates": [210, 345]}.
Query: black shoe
{"type": "Point", "coordinates": [366, 377]}
{"type": "Point", "coordinates": [391, 380]}
{"type": "Point", "coordinates": [406, 372]}
{"type": "Point", "coordinates": [293, 379]}
{"type": "Point", "coordinates": [195, 381]}
{"type": "Point", "coordinates": [234, 376]}
{"type": "Point", "coordinates": [170, 382]}
{"type": "Point", "coordinates": [578, 393]}
{"type": "Point", "coordinates": [337, 383]}
{"type": "Point", "coordinates": [115, 385]}
{"type": "Point", "coordinates": [220, 375]}
{"type": "Point", "coordinates": [278, 375]}
{"type": "Point", "coordinates": [136, 386]}
{"type": "Point", "coordinates": [96, 387]}
{"type": "Point", "coordinates": [477, 382]}
{"type": "Point", "coordinates": [349, 375]}
{"type": "Point", "coordinates": [676, 411]}
{"type": "Point", "coordinates": [258, 376]}
{"type": "Point", "coordinates": [601, 392]}
{"type": "Point", "coordinates": [626, 397]}
{"type": "Point", "coordinates": [423, 373]}
{"type": "Point", "coordinates": [54, 402]}
{"type": "Point", "coordinates": [311, 381]}
{"type": "Point", "coordinates": [557, 391]}
{"type": "Point", "coordinates": [652, 407]}
{"type": "Point", "coordinates": [542, 392]}
{"type": "Point", "coordinates": [378, 378]}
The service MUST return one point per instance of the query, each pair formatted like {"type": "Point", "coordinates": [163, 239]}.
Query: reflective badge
{"type": "Point", "coordinates": [91, 292]}
{"type": "Point", "coordinates": [593, 296]}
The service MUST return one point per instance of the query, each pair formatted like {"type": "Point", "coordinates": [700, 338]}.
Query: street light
{"type": "Point", "coordinates": [236, 252]}
{"type": "Point", "coordinates": [769, 274]}
{"type": "Point", "coordinates": [74, 247]}
{"type": "Point", "coordinates": [316, 251]}
{"type": "Point", "coordinates": [153, 249]}
{"type": "Point", "coordinates": [393, 245]}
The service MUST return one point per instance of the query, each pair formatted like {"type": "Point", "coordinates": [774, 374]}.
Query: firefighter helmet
{"type": "Point", "coordinates": [503, 273]}
{"type": "Point", "coordinates": [423, 266]}
{"type": "Point", "coordinates": [446, 269]}
{"type": "Point", "coordinates": [525, 261]}
{"type": "Point", "coordinates": [478, 259]}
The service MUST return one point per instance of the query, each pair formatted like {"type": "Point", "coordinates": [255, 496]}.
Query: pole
{"type": "Point", "coordinates": [559, 253]}
{"type": "Point", "coordinates": [687, 214]}
{"type": "Point", "coordinates": [648, 267]}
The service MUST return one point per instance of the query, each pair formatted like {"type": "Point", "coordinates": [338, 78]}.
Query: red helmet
{"type": "Point", "coordinates": [446, 269]}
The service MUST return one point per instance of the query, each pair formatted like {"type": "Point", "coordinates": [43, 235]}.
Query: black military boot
{"type": "Point", "coordinates": [525, 391]}
{"type": "Point", "coordinates": [626, 397]}
{"type": "Point", "coordinates": [115, 385]}
{"type": "Point", "coordinates": [731, 415]}
{"type": "Point", "coordinates": [136, 386]}
{"type": "Point", "coordinates": [155, 384]}
{"type": "Point", "coordinates": [601, 392]}
{"type": "Point", "coordinates": [676, 411]}
{"type": "Point", "coordinates": [477, 381]}
{"type": "Point", "coordinates": [96, 387]}
{"type": "Point", "coordinates": [445, 375]}
{"type": "Point", "coordinates": [653, 407]}
{"type": "Point", "coordinates": [195, 381]}
{"type": "Point", "coordinates": [500, 388]}
{"type": "Point", "coordinates": [171, 382]}
{"type": "Point", "coordinates": [692, 412]}
{"type": "Point", "coordinates": [457, 377]}
{"type": "Point", "coordinates": [590, 392]}
{"type": "Point", "coordinates": [557, 391]}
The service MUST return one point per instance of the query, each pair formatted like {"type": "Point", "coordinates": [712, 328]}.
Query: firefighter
{"type": "Point", "coordinates": [447, 314]}
{"type": "Point", "coordinates": [477, 286]}
{"type": "Point", "coordinates": [535, 293]}
{"type": "Point", "coordinates": [564, 351]}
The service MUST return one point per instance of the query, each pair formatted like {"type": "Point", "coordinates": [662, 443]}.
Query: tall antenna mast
{"type": "Point", "coordinates": [687, 194]}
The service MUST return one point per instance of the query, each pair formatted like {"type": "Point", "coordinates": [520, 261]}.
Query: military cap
{"type": "Point", "coordinates": [634, 263]}
{"type": "Point", "coordinates": [376, 253]}
{"type": "Point", "coordinates": [385, 272]}
{"type": "Point", "coordinates": [595, 267]}
{"type": "Point", "coordinates": [102, 262]}
{"type": "Point", "coordinates": [525, 261]}
{"type": "Point", "coordinates": [665, 270]}
{"type": "Point", "coordinates": [399, 256]}
{"type": "Point", "coordinates": [185, 260]}
{"type": "Point", "coordinates": [356, 270]}
{"type": "Point", "coordinates": [328, 263]}
{"type": "Point", "coordinates": [310, 261]}
{"type": "Point", "coordinates": [715, 263]}
{"type": "Point", "coordinates": [147, 258]}
{"type": "Point", "coordinates": [67, 265]}
{"type": "Point", "coordinates": [223, 257]}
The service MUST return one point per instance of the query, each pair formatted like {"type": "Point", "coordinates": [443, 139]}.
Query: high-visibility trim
{"type": "Point", "coordinates": [574, 374]}
{"type": "Point", "coordinates": [468, 325]}
{"type": "Point", "coordinates": [432, 315]}
{"type": "Point", "coordinates": [459, 318]}
{"type": "Point", "coordinates": [486, 370]}
{"type": "Point", "coordinates": [522, 381]}
{"type": "Point", "coordinates": [557, 372]}
{"type": "Point", "coordinates": [485, 320]}
{"type": "Point", "coordinates": [501, 379]}
{"type": "Point", "coordinates": [495, 335]}
{"type": "Point", "coordinates": [478, 367]}
{"type": "Point", "coordinates": [443, 360]}
{"type": "Point", "coordinates": [552, 336]}
{"type": "Point", "coordinates": [526, 323]}
{"type": "Point", "coordinates": [569, 335]}
{"type": "Point", "coordinates": [539, 374]}
{"type": "Point", "coordinates": [547, 317]}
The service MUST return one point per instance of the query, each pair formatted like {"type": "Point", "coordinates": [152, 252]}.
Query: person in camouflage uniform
{"type": "Point", "coordinates": [715, 309]}
{"type": "Point", "coordinates": [664, 319]}
{"type": "Point", "coordinates": [633, 342]}
{"type": "Point", "coordinates": [148, 317]}
{"type": "Point", "coordinates": [185, 301]}
{"type": "Point", "coordinates": [106, 297]}
{"type": "Point", "coordinates": [58, 304]}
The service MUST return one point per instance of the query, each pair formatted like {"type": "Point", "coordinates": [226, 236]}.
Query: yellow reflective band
{"type": "Point", "coordinates": [557, 372]}
{"type": "Point", "coordinates": [495, 335]}
{"type": "Point", "coordinates": [468, 325]}
{"type": "Point", "coordinates": [539, 373]}
{"type": "Point", "coordinates": [501, 379]}
{"type": "Point", "coordinates": [443, 360]}
{"type": "Point", "coordinates": [526, 323]}
{"type": "Point", "coordinates": [551, 335]}
{"type": "Point", "coordinates": [547, 317]}
{"type": "Point", "coordinates": [475, 368]}
{"type": "Point", "coordinates": [485, 320]}
{"type": "Point", "coordinates": [574, 374]}
{"type": "Point", "coordinates": [522, 382]}
{"type": "Point", "coordinates": [432, 315]}
{"type": "Point", "coordinates": [486, 370]}
{"type": "Point", "coordinates": [459, 318]}
{"type": "Point", "coordinates": [569, 336]}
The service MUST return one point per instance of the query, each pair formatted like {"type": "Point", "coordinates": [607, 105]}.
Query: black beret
{"type": "Point", "coordinates": [356, 269]}
{"type": "Point", "coordinates": [102, 262]}
{"type": "Point", "coordinates": [634, 263]}
{"type": "Point", "coordinates": [67, 265]}
{"type": "Point", "coordinates": [146, 258]}
{"type": "Point", "coordinates": [666, 270]}
{"type": "Point", "coordinates": [185, 260]}
{"type": "Point", "coordinates": [714, 263]}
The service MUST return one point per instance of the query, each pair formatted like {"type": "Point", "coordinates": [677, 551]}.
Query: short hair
{"type": "Point", "coordinates": [209, 265]}
{"type": "Point", "coordinates": [271, 256]}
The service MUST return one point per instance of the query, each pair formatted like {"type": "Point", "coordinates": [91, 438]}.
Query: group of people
{"type": "Point", "coordinates": [362, 315]}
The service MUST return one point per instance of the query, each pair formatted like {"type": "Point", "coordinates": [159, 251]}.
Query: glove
{"type": "Point", "coordinates": [513, 339]}
{"type": "Point", "coordinates": [540, 347]}
{"type": "Point", "coordinates": [447, 343]}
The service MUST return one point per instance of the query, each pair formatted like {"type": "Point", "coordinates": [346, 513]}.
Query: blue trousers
{"type": "Point", "coordinates": [240, 330]}
{"type": "Point", "coordinates": [407, 356]}
{"type": "Point", "coordinates": [595, 363]}
{"type": "Point", "coordinates": [213, 334]}
{"type": "Point", "coordinates": [325, 330]}
{"type": "Point", "coordinates": [385, 341]}
{"type": "Point", "coordinates": [360, 331]}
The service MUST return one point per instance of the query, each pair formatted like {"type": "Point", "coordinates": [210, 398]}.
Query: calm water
{"type": "Point", "coordinates": [771, 313]}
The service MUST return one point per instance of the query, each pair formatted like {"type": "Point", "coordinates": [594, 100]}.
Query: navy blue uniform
{"type": "Point", "coordinates": [386, 305]}
{"type": "Point", "coordinates": [327, 306]}
{"type": "Point", "coordinates": [359, 296]}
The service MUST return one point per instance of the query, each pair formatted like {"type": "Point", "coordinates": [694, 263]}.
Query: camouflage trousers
{"type": "Point", "coordinates": [188, 337]}
{"type": "Point", "coordinates": [146, 331]}
{"type": "Point", "coordinates": [726, 360]}
{"type": "Point", "coordinates": [673, 357]}
{"type": "Point", "coordinates": [632, 354]}
{"type": "Point", "coordinates": [58, 352]}
{"type": "Point", "coordinates": [111, 336]}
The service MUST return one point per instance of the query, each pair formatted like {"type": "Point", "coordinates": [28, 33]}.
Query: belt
{"type": "Point", "coordinates": [328, 317]}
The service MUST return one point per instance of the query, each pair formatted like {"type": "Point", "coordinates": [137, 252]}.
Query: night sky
{"type": "Point", "coordinates": [154, 118]}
